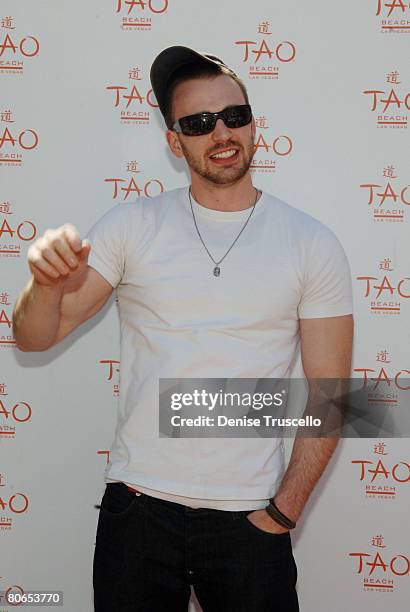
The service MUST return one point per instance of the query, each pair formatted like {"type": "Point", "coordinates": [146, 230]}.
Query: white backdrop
{"type": "Point", "coordinates": [79, 133]}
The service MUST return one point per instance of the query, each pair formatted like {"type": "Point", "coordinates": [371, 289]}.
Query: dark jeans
{"type": "Point", "coordinates": [149, 551]}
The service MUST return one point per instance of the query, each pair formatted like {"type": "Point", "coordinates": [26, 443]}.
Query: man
{"type": "Point", "coordinates": [214, 280]}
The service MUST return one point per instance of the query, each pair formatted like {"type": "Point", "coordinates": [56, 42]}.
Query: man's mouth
{"type": "Point", "coordinates": [227, 155]}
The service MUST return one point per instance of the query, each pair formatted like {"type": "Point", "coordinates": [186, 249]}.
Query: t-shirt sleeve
{"type": "Point", "coordinates": [327, 285]}
{"type": "Point", "coordinates": [108, 243]}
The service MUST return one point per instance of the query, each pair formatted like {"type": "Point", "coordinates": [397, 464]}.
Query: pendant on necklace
{"type": "Point", "coordinates": [217, 271]}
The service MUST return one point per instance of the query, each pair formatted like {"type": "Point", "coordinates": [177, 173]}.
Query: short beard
{"type": "Point", "coordinates": [223, 176]}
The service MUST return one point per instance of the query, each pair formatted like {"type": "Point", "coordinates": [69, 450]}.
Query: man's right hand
{"type": "Point", "coordinates": [62, 293]}
{"type": "Point", "coordinates": [58, 255]}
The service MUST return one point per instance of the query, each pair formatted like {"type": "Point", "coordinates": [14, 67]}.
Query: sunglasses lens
{"type": "Point", "coordinates": [195, 125]}
{"type": "Point", "coordinates": [238, 116]}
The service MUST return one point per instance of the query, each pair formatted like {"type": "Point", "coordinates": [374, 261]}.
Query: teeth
{"type": "Point", "coordinates": [225, 154]}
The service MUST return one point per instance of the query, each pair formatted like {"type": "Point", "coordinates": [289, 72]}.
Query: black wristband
{"type": "Point", "coordinates": [278, 516]}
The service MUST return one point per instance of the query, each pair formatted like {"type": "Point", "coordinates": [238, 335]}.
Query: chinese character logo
{"type": "Point", "coordinates": [390, 105]}
{"type": "Point", "coordinates": [385, 292]}
{"type": "Point", "coordinates": [15, 48]}
{"type": "Point", "coordinates": [387, 199]}
{"type": "Point", "coordinates": [134, 100]}
{"type": "Point", "coordinates": [265, 55]}
{"type": "Point", "coordinates": [379, 569]}
{"type": "Point", "coordinates": [132, 186]}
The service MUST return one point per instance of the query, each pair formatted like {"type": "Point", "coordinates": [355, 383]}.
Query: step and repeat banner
{"type": "Point", "coordinates": [80, 132]}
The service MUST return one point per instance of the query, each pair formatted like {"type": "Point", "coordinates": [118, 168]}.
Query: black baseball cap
{"type": "Point", "coordinates": [170, 60]}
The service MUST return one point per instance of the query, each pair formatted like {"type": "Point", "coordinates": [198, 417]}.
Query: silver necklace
{"type": "Point", "coordinates": [217, 269]}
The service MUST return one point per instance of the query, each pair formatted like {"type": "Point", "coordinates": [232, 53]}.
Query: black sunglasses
{"type": "Point", "coordinates": [204, 123]}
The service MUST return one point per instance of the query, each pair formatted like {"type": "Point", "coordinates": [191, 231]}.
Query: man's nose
{"type": "Point", "coordinates": [221, 132]}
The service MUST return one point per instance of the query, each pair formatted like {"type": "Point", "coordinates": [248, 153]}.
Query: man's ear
{"type": "Point", "coordinates": [173, 143]}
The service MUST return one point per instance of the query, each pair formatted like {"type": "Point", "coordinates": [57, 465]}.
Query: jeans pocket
{"type": "Point", "coordinates": [118, 499]}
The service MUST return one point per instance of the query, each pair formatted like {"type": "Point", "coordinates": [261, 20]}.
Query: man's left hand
{"type": "Point", "coordinates": [262, 520]}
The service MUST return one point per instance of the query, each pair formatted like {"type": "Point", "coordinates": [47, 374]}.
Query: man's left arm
{"type": "Point", "coordinates": [326, 349]}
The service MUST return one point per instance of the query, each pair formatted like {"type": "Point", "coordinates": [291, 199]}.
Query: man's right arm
{"type": "Point", "coordinates": [62, 293]}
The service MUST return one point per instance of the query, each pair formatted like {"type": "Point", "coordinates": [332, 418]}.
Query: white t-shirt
{"type": "Point", "coordinates": [180, 321]}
